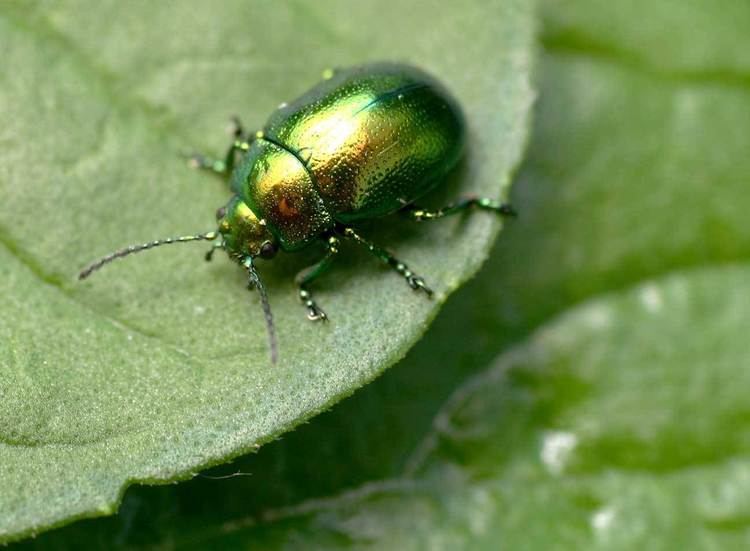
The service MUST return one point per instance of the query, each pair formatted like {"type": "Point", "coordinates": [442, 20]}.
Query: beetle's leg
{"type": "Point", "coordinates": [414, 281]}
{"type": "Point", "coordinates": [210, 253]}
{"type": "Point", "coordinates": [311, 273]}
{"type": "Point", "coordinates": [241, 143]}
{"type": "Point", "coordinates": [419, 214]}
{"type": "Point", "coordinates": [217, 166]}
{"type": "Point", "coordinates": [236, 128]}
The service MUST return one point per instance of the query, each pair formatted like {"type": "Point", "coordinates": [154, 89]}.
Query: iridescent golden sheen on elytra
{"type": "Point", "coordinates": [361, 144]}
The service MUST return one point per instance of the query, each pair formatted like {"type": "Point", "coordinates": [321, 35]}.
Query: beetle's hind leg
{"type": "Point", "coordinates": [419, 214]}
{"type": "Point", "coordinates": [224, 167]}
{"type": "Point", "coordinates": [414, 281]}
{"type": "Point", "coordinates": [311, 273]}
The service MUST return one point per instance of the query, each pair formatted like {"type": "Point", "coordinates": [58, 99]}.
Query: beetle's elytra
{"type": "Point", "coordinates": [363, 143]}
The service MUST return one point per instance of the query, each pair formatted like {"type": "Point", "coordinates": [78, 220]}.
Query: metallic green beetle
{"type": "Point", "coordinates": [363, 143]}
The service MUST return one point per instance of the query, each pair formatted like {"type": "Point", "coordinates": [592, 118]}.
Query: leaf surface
{"type": "Point", "coordinates": [158, 367]}
{"type": "Point", "coordinates": [588, 389]}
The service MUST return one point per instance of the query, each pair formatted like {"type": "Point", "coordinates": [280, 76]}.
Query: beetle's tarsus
{"type": "Point", "coordinates": [194, 161]}
{"type": "Point", "coordinates": [417, 283]}
{"type": "Point", "coordinates": [414, 281]}
{"type": "Point", "coordinates": [241, 143]}
{"type": "Point", "coordinates": [210, 252]}
{"type": "Point", "coordinates": [314, 312]}
{"type": "Point", "coordinates": [236, 129]}
{"type": "Point", "coordinates": [311, 273]}
{"type": "Point", "coordinates": [506, 209]}
{"type": "Point", "coordinates": [198, 161]}
{"type": "Point", "coordinates": [419, 214]}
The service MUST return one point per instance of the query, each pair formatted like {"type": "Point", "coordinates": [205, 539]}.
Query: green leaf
{"type": "Point", "coordinates": [622, 424]}
{"type": "Point", "coordinates": [610, 324]}
{"type": "Point", "coordinates": [590, 434]}
{"type": "Point", "coordinates": [159, 366]}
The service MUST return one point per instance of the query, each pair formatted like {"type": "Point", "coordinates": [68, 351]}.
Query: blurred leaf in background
{"type": "Point", "coordinates": [159, 367]}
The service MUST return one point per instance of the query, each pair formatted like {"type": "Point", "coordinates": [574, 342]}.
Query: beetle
{"type": "Point", "coordinates": [363, 143]}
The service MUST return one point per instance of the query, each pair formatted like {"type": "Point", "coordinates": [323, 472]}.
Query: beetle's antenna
{"type": "Point", "coordinates": [255, 281]}
{"type": "Point", "coordinates": [86, 272]}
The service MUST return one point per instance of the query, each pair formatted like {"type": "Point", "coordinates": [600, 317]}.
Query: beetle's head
{"type": "Point", "coordinates": [243, 233]}
{"type": "Point", "coordinates": [243, 236]}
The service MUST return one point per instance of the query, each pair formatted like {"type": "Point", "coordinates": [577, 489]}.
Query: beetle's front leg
{"type": "Point", "coordinates": [210, 253]}
{"type": "Point", "coordinates": [217, 166]}
{"type": "Point", "coordinates": [419, 214]}
{"type": "Point", "coordinates": [241, 143]}
{"type": "Point", "coordinates": [309, 274]}
{"type": "Point", "coordinates": [414, 281]}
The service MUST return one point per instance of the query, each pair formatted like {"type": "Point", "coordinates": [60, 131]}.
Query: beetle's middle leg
{"type": "Point", "coordinates": [419, 214]}
{"type": "Point", "coordinates": [414, 281]}
{"type": "Point", "coordinates": [241, 143]}
{"type": "Point", "coordinates": [311, 273]}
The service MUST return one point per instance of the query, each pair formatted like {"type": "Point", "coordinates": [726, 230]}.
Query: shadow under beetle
{"type": "Point", "coordinates": [363, 143]}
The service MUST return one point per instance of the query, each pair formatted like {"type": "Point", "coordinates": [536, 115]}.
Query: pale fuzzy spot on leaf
{"type": "Point", "coordinates": [556, 450]}
{"type": "Point", "coordinates": [602, 519]}
{"type": "Point", "coordinates": [651, 298]}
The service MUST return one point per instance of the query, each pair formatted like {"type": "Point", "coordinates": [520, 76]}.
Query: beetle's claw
{"type": "Point", "coordinates": [314, 313]}
{"type": "Point", "coordinates": [507, 209]}
{"type": "Point", "coordinates": [198, 161]}
{"type": "Point", "coordinates": [236, 128]}
{"type": "Point", "coordinates": [195, 160]}
{"type": "Point", "coordinates": [418, 283]}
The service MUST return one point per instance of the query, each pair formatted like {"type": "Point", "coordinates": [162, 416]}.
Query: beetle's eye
{"type": "Point", "coordinates": [268, 250]}
{"type": "Point", "coordinates": [221, 212]}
